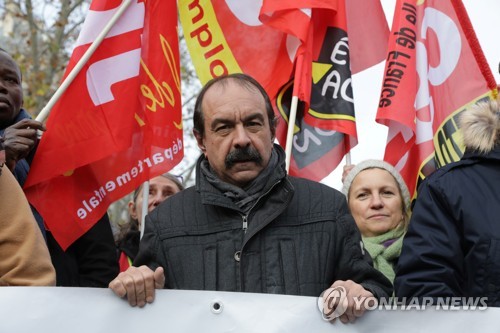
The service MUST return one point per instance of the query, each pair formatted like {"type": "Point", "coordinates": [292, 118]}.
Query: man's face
{"type": "Point", "coordinates": [238, 140]}
{"type": "Point", "coordinates": [11, 93]}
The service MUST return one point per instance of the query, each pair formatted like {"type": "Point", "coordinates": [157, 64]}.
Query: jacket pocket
{"type": "Point", "coordinates": [201, 262]}
{"type": "Point", "coordinates": [299, 258]}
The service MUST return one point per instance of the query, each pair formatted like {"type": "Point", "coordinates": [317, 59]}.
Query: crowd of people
{"type": "Point", "coordinates": [248, 226]}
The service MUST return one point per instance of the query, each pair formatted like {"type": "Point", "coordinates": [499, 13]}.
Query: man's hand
{"type": "Point", "coordinates": [19, 139]}
{"type": "Point", "coordinates": [138, 284]}
{"type": "Point", "coordinates": [348, 304]}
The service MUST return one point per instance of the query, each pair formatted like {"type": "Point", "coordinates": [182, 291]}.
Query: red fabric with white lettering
{"type": "Point", "coordinates": [283, 40]}
{"type": "Point", "coordinates": [435, 69]}
{"type": "Point", "coordinates": [117, 125]}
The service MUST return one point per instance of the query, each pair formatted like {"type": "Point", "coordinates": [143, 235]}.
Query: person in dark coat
{"type": "Point", "coordinates": [452, 247]}
{"type": "Point", "coordinates": [92, 260]}
{"type": "Point", "coordinates": [246, 225]}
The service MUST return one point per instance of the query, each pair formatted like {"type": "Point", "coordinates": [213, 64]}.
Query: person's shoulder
{"type": "Point", "coordinates": [179, 197]}
{"type": "Point", "coordinates": [318, 198]}
{"type": "Point", "coordinates": [449, 170]}
{"type": "Point", "coordinates": [307, 182]}
{"type": "Point", "coordinates": [313, 187]}
{"type": "Point", "coordinates": [448, 178]}
{"type": "Point", "coordinates": [180, 200]}
{"type": "Point", "coordinates": [187, 191]}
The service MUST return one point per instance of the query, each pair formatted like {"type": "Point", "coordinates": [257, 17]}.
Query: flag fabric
{"type": "Point", "coordinates": [325, 129]}
{"type": "Point", "coordinates": [296, 20]}
{"type": "Point", "coordinates": [293, 48]}
{"type": "Point", "coordinates": [368, 34]}
{"type": "Point", "coordinates": [435, 69]}
{"type": "Point", "coordinates": [117, 125]}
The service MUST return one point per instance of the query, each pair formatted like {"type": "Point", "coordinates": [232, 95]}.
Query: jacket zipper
{"type": "Point", "coordinates": [245, 217]}
{"type": "Point", "coordinates": [245, 227]}
{"type": "Point", "coordinates": [245, 223]}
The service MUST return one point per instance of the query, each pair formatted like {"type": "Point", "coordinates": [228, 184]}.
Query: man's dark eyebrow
{"type": "Point", "coordinates": [258, 116]}
{"type": "Point", "coordinates": [250, 117]}
{"type": "Point", "coordinates": [220, 121]}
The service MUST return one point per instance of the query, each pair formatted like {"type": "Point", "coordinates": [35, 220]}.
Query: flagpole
{"type": "Point", "coordinates": [291, 127]}
{"type": "Point", "coordinates": [145, 204]}
{"type": "Point", "coordinates": [42, 116]}
{"type": "Point", "coordinates": [348, 158]}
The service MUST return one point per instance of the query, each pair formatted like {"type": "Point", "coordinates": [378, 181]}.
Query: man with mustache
{"type": "Point", "coordinates": [246, 225]}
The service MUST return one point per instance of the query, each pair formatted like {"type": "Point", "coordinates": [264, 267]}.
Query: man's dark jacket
{"type": "Point", "coordinates": [452, 247]}
{"type": "Point", "coordinates": [300, 239]}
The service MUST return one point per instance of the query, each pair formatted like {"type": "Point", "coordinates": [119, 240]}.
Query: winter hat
{"type": "Point", "coordinates": [379, 164]}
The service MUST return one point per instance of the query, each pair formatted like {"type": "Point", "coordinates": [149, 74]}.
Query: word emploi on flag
{"type": "Point", "coordinates": [293, 50]}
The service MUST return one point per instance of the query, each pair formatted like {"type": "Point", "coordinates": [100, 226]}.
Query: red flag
{"type": "Point", "coordinates": [368, 34]}
{"type": "Point", "coordinates": [295, 19]}
{"type": "Point", "coordinates": [290, 47]}
{"type": "Point", "coordinates": [434, 70]}
{"type": "Point", "coordinates": [117, 125]}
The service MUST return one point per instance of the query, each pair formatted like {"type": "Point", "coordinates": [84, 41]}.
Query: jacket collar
{"type": "Point", "coordinates": [20, 116]}
{"type": "Point", "coordinates": [211, 195]}
{"type": "Point", "coordinates": [494, 154]}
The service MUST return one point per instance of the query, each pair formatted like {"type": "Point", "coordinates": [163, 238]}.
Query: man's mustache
{"type": "Point", "coordinates": [247, 154]}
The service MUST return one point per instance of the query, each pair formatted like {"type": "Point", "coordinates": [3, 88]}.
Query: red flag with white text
{"type": "Point", "coordinates": [435, 69]}
{"type": "Point", "coordinates": [117, 125]}
{"type": "Point", "coordinates": [292, 48]}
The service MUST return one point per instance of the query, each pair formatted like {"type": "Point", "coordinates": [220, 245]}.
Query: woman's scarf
{"type": "Point", "coordinates": [385, 250]}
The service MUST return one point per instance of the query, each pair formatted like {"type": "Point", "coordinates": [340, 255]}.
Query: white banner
{"type": "Point", "coordinates": [75, 310]}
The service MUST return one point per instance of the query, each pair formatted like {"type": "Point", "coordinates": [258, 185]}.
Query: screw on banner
{"type": "Point", "coordinates": [216, 307]}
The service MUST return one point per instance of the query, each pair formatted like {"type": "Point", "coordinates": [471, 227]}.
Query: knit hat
{"type": "Point", "coordinates": [379, 164]}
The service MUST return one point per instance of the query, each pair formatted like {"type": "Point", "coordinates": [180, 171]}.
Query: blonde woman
{"type": "Point", "coordinates": [380, 204]}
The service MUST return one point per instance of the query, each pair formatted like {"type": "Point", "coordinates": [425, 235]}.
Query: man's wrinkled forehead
{"type": "Point", "coordinates": [7, 59]}
{"type": "Point", "coordinates": [222, 85]}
